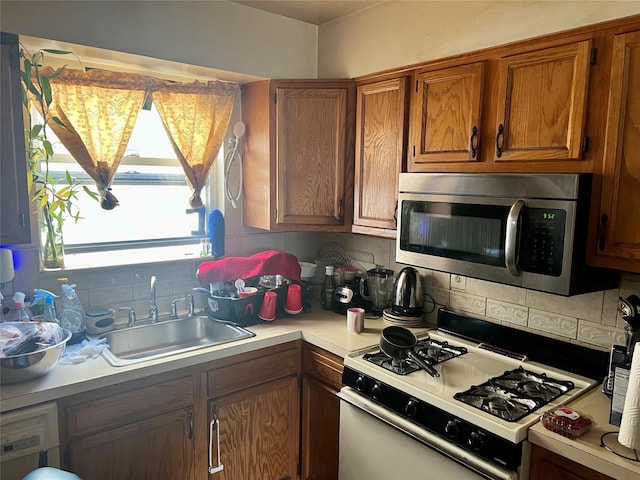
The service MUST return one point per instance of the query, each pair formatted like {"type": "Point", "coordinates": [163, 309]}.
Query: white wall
{"type": "Point", "coordinates": [399, 33]}
{"type": "Point", "coordinates": [217, 34]}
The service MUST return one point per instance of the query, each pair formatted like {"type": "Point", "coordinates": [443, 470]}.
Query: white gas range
{"type": "Point", "coordinates": [474, 417]}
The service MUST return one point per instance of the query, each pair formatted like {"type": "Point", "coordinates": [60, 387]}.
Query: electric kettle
{"type": "Point", "coordinates": [408, 295]}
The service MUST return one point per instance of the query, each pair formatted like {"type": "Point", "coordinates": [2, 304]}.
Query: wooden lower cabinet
{"type": "Point", "coordinates": [258, 432]}
{"type": "Point", "coordinates": [137, 430]}
{"type": "Point", "coordinates": [254, 416]}
{"type": "Point", "coordinates": [321, 380]}
{"type": "Point", "coordinates": [547, 465]}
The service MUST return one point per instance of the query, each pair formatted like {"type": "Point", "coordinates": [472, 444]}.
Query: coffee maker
{"type": "Point", "coordinates": [621, 355]}
{"type": "Point", "coordinates": [347, 295]}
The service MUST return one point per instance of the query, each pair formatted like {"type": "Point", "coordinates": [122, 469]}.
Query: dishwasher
{"type": "Point", "coordinates": [29, 439]}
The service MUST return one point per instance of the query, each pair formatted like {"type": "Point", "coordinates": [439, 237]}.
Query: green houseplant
{"type": "Point", "coordinates": [54, 199]}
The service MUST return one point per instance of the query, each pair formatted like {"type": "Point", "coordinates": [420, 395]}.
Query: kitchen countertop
{"type": "Point", "coordinates": [322, 328]}
{"type": "Point", "coordinates": [586, 449]}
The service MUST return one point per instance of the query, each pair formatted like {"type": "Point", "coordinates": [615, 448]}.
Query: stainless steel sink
{"type": "Point", "coordinates": [169, 337]}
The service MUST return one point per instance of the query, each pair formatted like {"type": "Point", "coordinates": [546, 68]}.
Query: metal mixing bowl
{"type": "Point", "coordinates": [21, 368]}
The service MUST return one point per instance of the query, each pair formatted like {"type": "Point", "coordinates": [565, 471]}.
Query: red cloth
{"type": "Point", "coordinates": [270, 262]}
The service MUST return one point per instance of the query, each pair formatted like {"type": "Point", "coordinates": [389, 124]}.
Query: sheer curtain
{"type": "Point", "coordinates": [100, 109]}
{"type": "Point", "coordinates": [196, 117]}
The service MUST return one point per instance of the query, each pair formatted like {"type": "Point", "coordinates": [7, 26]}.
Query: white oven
{"type": "Point", "coordinates": [472, 421]}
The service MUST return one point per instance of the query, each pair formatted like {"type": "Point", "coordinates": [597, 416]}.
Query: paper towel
{"type": "Point", "coordinates": [629, 434]}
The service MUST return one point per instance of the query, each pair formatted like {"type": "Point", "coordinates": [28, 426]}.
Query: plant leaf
{"type": "Point", "coordinates": [46, 90]}
{"type": "Point", "coordinates": [35, 131]}
{"type": "Point", "coordinates": [92, 194]}
{"type": "Point", "coordinates": [46, 144]}
{"type": "Point", "coordinates": [56, 52]}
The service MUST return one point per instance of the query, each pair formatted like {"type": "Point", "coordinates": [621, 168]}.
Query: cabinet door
{"type": "Point", "coordinates": [619, 242]}
{"type": "Point", "coordinates": [158, 447]}
{"type": "Point", "coordinates": [258, 431]}
{"type": "Point", "coordinates": [445, 115]}
{"type": "Point", "coordinates": [548, 465]}
{"type": "Point", "coordinates": [14, 198]}
{"type": "Point", "coordinates": [311, 155]}
{"type": "Point", "coordinates": [542, 107]}
{"type": "Point", "coordinates": [320, 430]}
{"type": "Point", "coordinates": [381, 115]}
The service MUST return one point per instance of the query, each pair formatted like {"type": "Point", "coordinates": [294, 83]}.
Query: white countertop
{"type": "Point", "coordinates": [586, 449]}
{"type": "Point", "coordinates": [322, 328]}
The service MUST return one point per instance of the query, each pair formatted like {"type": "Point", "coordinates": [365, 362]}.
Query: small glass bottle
{"type": "Point", "coordinates": [328, 288]}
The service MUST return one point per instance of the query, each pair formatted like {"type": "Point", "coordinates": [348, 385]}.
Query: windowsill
{"type": "Point", "coordinates": [138, 256]}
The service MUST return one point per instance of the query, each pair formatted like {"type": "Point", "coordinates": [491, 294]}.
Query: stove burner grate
{"type": "Point", "coordinates": [433, 351]}
{"type": "Point", "coordinates": [514, 394]}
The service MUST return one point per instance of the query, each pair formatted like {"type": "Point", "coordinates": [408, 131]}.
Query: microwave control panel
{"type": "Point", "coordinates": [542, 241]}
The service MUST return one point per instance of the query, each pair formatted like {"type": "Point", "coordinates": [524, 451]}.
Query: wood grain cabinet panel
{"type": "Point", "coordinates": [321, 381]}
{"type": "Point", "coordinates": [298, 155]}
{"type": "Point", "coordinates": [144, 429]}
{"type": "Point", "coordinates": [542, 108]}
{"type": "Point", "coordinates": [14, 198]}
{"type": "Point", "coordinates": [547, 465]}
{"type": "Point", "coordinates": [381, 139]}
{"type": "Point", "coordinates": [619, 235]}
{"type": "Point", "coordinates": [445, 115]}
{"type": "Point", "coordinates": [258, 431]}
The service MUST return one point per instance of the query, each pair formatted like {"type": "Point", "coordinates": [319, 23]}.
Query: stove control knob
{"type": "Point", "coordinates": [412, 408]}
{"type": "Point", "coordinates": [476, 440]}
{"type": "Point", "coordinates": [452, 428]}
{"type": "Point", "coordinates": [376, 391]}
{"type": "Point", "coordinates": [360, 383]}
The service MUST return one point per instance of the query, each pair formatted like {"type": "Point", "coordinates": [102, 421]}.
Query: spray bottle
{"type": "Point", "coordinates": [21, 311]}
{"type": "Point", "coordinates": [49, 313]}
{"type": "Point", "coordinates": [1, 309]}
{"type": "Point", "coordinates": [72, 314]}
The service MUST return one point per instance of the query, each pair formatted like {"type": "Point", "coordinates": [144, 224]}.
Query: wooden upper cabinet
{"type": "Point", "coordinates": [542, 104]}
{"type": "Point", "coordinates": [381, 120]}
{"type": "Point", "coordinates": [298, 158]}
{"type": "Point", "coordinates": [14, 198]}
{"type": "Point", "coordinates": [619, 235]}
{"type": "Point", "coordinates": [445, 115]}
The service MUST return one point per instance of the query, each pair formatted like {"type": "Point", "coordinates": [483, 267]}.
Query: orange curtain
{"type": "Point", "coordinates": [100, 109]}
{"type": "Point", "coordinates": [196, 117]}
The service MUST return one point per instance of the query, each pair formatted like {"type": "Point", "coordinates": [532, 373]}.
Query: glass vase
{"type": "Point", "coordinates": [51, 249]}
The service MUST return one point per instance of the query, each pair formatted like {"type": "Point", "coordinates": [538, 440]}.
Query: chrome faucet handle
{"type": "Point", "coordinates": [192, 305]}
{"type": "Point", "coordinates": [132, 315]}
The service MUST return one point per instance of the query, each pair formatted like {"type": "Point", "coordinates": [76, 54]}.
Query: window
{"type": "Point", "coordinates": [150, 186]}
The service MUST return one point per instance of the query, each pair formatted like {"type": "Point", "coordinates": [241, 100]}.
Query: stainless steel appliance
{"type": "Point", "coordinates": [408, 296]}
{"type": "Point", "coordinates": [470, 422]}
{"type": "Point", "coordinates": [519, 229]}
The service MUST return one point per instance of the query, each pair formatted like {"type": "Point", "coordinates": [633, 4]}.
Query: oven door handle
{"type": "Point", "coordinates": [457, 454]}
{"type": "Point", "coordinates": [510, 247]}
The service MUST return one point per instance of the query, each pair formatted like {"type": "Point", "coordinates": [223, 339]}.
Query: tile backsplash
{"type": "Point", "coordinates": [590, 319]}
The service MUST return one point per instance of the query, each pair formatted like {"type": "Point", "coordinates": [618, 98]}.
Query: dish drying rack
{"type": "Point", "coordinates": [335, 254]}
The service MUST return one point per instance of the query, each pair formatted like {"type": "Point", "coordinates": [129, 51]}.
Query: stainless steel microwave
{"type": "Point", "coordinates": [527, 230]}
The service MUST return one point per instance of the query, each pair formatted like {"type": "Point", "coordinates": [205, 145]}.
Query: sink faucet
{"type": "Point", "coordinates": [153, 306]}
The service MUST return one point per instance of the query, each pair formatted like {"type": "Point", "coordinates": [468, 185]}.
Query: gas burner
{"type": "Point", "coordinates": [498, 401]}
{"type": "Point", "coordinates": [400, 367]}
{"type": "Point", "coordinates": [437, 352]}
{"type": "Point", "coordinates": [533, 385]}
{"type": "Point", "coordinates": [515, 393]}
{"type": "Point", "coordinates": [432, 351]}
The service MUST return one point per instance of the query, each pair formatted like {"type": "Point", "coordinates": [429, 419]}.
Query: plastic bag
{"type": "Point", "coordinates": [81, 352]}
{"type": "Point", "coordinates": [18, 338]}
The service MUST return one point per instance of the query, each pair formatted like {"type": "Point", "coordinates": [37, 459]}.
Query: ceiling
{"type": "Point", "coordinates": [310, 11]}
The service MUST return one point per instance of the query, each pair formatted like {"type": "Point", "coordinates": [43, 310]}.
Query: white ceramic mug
{"type": "Point", "coordinates": [355, 320]}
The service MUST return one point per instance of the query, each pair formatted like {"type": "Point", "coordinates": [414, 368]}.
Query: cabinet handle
{"type": "Point", "coordinates": [602, 231]}
{"type": "Point", "coordinates": [473, 142]}
{"type": "Point", "coordinates": [500, 140]}
{"type": "Point", "coordinates": [190, 420]}
{"type": "Point", "coordinates": [214, 424]}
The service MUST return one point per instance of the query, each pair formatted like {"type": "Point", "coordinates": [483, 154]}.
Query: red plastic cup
{"type": "Point", "coordinates": [293, 305]}
{"type": "Point", "coordinates": [268, 308]}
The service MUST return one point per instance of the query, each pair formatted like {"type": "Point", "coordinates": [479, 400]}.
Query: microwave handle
{"type": "Point", "coordinates": [512, 237]}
